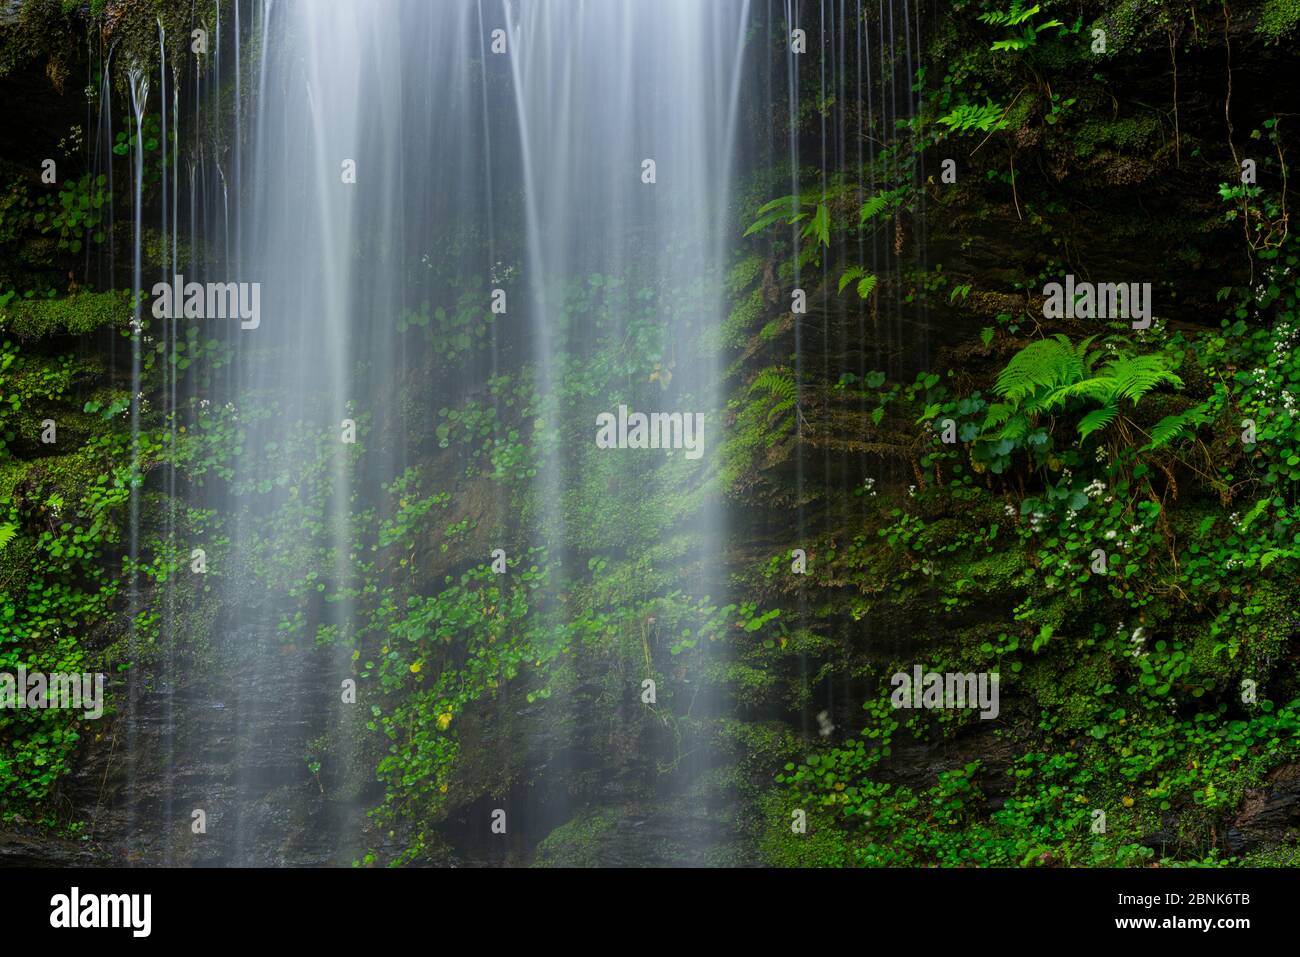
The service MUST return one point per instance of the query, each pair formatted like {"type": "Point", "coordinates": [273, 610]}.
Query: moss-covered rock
{"type": "Point", "coordinates": [78, 314]}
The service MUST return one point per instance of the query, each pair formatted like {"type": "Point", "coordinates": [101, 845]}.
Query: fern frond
{"type": "Point", "coordinates": [1039, 365]}
{"type": "Point", "coordinates": [775, 383]}
{"type": "Point", "coordinates": [1017, 15]}
{"type": "Point", "coordinates": [782, 406]}
{"type": "Point", "coordinates": [1098, 388]}
{"type": "Point", "coordinates": [1167, 429]}
{"type": "Point", "coordinates": [765, 221]}
{"type": "Point", "coordinates": [1017, 427]}
{"type": "Point", "coordinates": [780, 201]}
{"type": "Point", "coordinates": [819, 227]}
{"type": "Point", "coordinates": [1087, 360]}
{"type": "Point", "coordinates": [782, 208]}
{"type": "Point", "coordinates": [1172, 427]}
{"type": "Point", "coordinates": [1135, 376]}
{"type": "Point", "coordinates": [1097, 419]}
{"type": "Point", "coordinates": [872, 207]}
{"type": "Point", "coordinates": [971, 116]}
{"type": "Point", "coordinates": [997, 413]}
{"type": "Point", "coordinates": [850, 274]}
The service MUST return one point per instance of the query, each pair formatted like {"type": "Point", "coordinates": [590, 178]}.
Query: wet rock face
{"type": "Point", "coordinates": [1269, 815]}
{"type": "Point", "coordinates": [228, 738]}
{"type": "Point", "coordinates": [646, 835]}
{"type": "Point", "coordinates": [1268, 819]}
{"type": "Point", "coordinates": [22, 848]}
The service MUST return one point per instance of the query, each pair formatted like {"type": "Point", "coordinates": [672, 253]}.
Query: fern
{"type": "Point", "coordinates": [1016, 429]}
{"type": "Point", "coordinates": [776, 204]}
{"type": "Point", "coordinates": [819, 227]}
{"type": "Point", "coordinates": [1135, 376]}
{"type": "Point", "coordinates": [1046, 363]}
{"type": "Point", "coordinates": [790, 211]}
{"type": "Point", "coordinates": [998, 413]}
{"type": "Point", "coordinates": [1010, 18]}
{"type": "Point", "coordinates": [970, 116]}
{"type": "Point", "coordinates": [866, 281]}
{"type": "Point", "coordinates": [775, 382]}
{"type": "Point", "coordinates": [7, 533]}
{"type": "Point", "coordinates": [1273, 554]}
{"type": "Point", "coordinates": [772, 212]}
{"type": "Point", "coordinates": [881, 203]}
{"type": "Point", "coordinates": [850, 274]}
{"type": "Point", "coordinates": [1019, 16]}
{"type": "Point", "coordinates": [1172, 427]}
{"type": "Point", "coordinates": [872, 207]}
{"type": "Point", "coordinates": [780, 395]}
{"type": "Point", "coordinates": [1048, 374]}
{"type": "Point", "coordinates": [1097, 419]}
{"type": "Point", "coordinates": [783, 406]}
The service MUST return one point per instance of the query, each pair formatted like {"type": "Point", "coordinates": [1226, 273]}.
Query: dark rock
{"type": "Point", "coordinates": [1270, 814]}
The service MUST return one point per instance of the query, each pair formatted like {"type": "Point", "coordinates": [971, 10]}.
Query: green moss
{"type": "Point", "coordinates": [1279, 18]}
{"type": "Point", "coordinates": [577, 843]}
{"type": "Point", "coordinates": [1128, 134]}
{"type": "Point", "coordinates": [77, 314]}
{"type": "Point", "coordinates": [820, 846]}
{"type": "Point", "coordinates": [1130, 25]}
{"type": "Point", "coordinates": [1279, 856]}
{"type": "Point", "coordinates": [158, 250]}
{"type": "Point", "coordinates": [742, 318]}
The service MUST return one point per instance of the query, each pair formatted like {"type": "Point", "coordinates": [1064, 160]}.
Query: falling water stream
{"type": "Point", "coordinates": [574, 162]}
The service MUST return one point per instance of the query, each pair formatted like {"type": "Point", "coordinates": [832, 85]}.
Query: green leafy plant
{"type": "Point", "coordinates": [1019, 16]}
{"type": "Point", "coordinates": [866, 281]}
{"type": "Point", "coordinates": [778, 394]}
{"type": "Point", "coordinates": [971, 116]}
{"type": "Point", "coordinates": [1050, 374]}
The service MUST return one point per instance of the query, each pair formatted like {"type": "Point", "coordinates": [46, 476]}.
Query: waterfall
{"type": "Point", "coordinates": [562, 175]}
{"type": "Point", "coordinates": [627, 122]}
{"type": "Point", "coordinates": [600, 142]}
{"type": "Point", "coordinates": [629, 433]}
{"type": "Point", "coordinates": [520, 216]}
